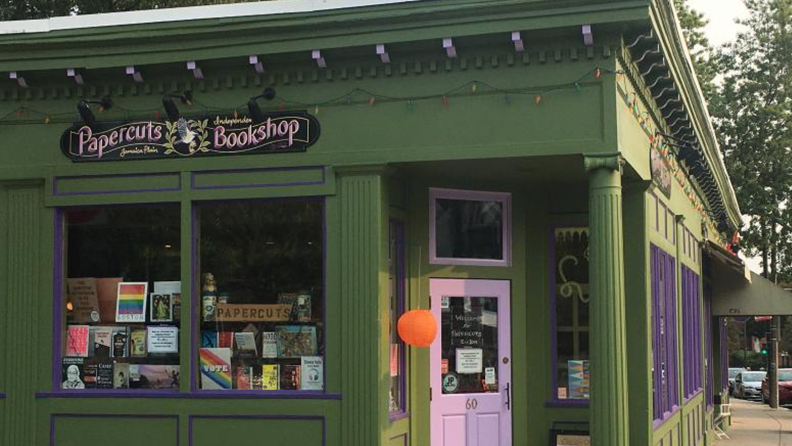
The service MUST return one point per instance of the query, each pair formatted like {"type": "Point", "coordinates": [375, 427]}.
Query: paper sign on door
{"type": "Point", "coordinates": [469, 360]}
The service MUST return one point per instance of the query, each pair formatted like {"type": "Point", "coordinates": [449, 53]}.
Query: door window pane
{"type": "Point", "coordinates": [396, 280]}
{"type": "Point", "coordinates": [469, 330]}
{"type": "Point", "coordinates": [121, 298]}
{"type": "Point", "coordinates": [261, 295]}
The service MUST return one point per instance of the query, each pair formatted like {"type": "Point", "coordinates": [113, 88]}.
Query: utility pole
{"type": "Point", "coordinates": [772, 372]}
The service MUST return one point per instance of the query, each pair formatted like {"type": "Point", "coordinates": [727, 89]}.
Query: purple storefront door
{"type": "Point", "coordinates": [471, 363]}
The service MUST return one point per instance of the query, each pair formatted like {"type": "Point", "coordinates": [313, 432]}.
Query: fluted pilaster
{"type": "Point", "coordinates": [608, 367]}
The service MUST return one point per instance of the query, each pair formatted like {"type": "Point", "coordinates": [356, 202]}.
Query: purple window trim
{"type": "Point", "coordinates": [691, 333]}
{"type": "Point", "coordinates": [724, 354]}
{"type": "Point", "coordinates": [2, 395]}
{"type": "Point", "coordinates": [656, 424]}
{"type": "Point", "coordinates": [105, 415]}
{"type": "Point", "coordinates": [57, 315]}
{"type": "Point", "coordinates": [196, 174]}
{"type": "Point", "coordinates": [191, 418]}
{"type": "Point", "coordinates": [664, 336]}
{"type": "Point", "coordinates": [551, 255]}
{"type": "Point", "coordinates": [128, 191]}
{"type": "Point", "coordinates": [470, 195]}
{"type": "Point", "coordinates": [710, 372]}
{"type": "Point", "coordinates": [201, 394]}
{"type": "Point", "coordinates": [194, 389]}
{"type": "Point", "coordinates": [400, 262]}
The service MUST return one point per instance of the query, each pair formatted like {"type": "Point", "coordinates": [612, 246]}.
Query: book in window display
{"type": "Point", "coordinates": [107, 293]}
{"type": "Point", "coordinates": [73, 374]}
{"type": "Point", "coordinates": [269, 344]}
{"type": "Point", "coordinates": [77, 338]}
{"type": "Point", "coordinates": [119, 339]}
{"type": "Point", "coordinates": [295, 341]}
{"type": "Point", "coordinates": [155, 376]}
{"type": "Point", "coordinates": [161, 308]}
{"type": "Point", "coordinates": [101, 342]}
{"type": "Point", "coordinates": [104, 375]}
{"type": "Point", "coordinates": [290, 377]}
{"type": "Point", "coordinates": [137, 343]}
{"type": "Point", "coordinates": [270, 377]}
{"type": "Point", "coordinates": [121, 375]}
{"type": "Point", "coordinates": [243, 377]}
{"type": "Point", "coordinates": [312, 369]}
{"type": "Point", "coordinates": [245, 345]}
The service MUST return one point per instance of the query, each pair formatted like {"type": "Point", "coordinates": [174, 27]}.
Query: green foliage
{"type": "Point", "coordinates": [40, 9]}
{"type": "Point", "coordinates": [693, 24]}
{"type": "Point", "coordinates": [752, 108]}
{"type": "Point", "coordinates": [747, 359]}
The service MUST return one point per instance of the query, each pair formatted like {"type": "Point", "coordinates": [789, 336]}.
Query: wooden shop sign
{"type": "Point", "coordinates": [252, 313]}
{"type": "Point", "coordinates": [187, 137]}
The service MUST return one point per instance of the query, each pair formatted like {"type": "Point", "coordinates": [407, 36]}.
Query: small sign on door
{"type": "Point", "coordinates": [469, 360]}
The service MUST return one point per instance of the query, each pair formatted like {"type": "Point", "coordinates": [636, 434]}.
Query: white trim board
{"type": "Point", "coordinates": [183, 14]}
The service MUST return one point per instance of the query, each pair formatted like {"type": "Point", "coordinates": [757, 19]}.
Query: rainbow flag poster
{"type": "Point", "coordinates": [131, 302]}
{"type": "Point", "coordinates": [216, 368]}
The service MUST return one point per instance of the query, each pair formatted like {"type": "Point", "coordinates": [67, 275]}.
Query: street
{"type": "Point", "coordinates": [756, 424]}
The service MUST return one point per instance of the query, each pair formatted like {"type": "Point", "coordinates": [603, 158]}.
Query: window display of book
{"type": "Point", "coordinates": [131, 349]}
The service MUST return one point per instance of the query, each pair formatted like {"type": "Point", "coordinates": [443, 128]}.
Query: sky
{"type": "Point", "coordinates": [722, 29]}
{"type": "Point", "coordinates": [721, 15]}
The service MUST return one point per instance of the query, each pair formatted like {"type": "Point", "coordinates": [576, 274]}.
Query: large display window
{"type": "Point", "coordinates": [260, 295]}
{"type": "Point", "coordinates": [120, 298]}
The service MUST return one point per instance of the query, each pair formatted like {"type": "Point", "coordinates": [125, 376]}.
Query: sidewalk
{"type": "Point", "coordinates": [756, 424]}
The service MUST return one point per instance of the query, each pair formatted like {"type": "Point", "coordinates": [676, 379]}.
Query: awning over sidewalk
{"type": "Point", "coordinates": [737, 291]}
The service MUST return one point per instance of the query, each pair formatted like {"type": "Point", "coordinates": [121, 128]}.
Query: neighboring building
{"type": "Point", "coordinates": [197, 262]}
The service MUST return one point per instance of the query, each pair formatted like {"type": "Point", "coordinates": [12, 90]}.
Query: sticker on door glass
{"type": "Point", "coordinates": [469, 360]}
{"type": "Point", "coordinates": [489, 376]}
{"type": "Point", "coordinates": [444, 303]}
{"type": "Point", "coordinates": [443, 366]}
{"type": "Point", "coordinates": [450, 383]}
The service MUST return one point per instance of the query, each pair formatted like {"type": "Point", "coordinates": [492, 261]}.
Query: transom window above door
{"type": "Point", "coordinates": [469, 227]}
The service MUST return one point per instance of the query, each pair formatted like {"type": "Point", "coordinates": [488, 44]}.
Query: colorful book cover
{"type": "Point", "coordinates": [270, 377]}
{"type": "Point", "coordinates": [73, 374]}
{"type": "Point", "coordinates": [578, 379]}
{"type": "Point", "coordinates": [225, 339]}
{"type": "Point", "coordinates": [215, 368]}
{"type": "Point", "coordinates": [245, 344]}
{"type": "Point", "coordinates": [101, 341]}
{"type": "Point", "coordinates": [89, 374]}
{"type": "Point", "coordinates": [77, 340]}
{"type": "Point", "coordinates": [295, 341]}
{"type": "Point", "coordinates": [174, 289]}
{"type": "Point", "coordinates": [290, 378]}
{"type": "Point", "coordinates": [243, 377]}
{"type": "Point", "coordinates": [82, 294]}
{"type": "Point", "coordinates": [209, 339]}
{"type": "Point", "coordinates": [121, 375]}
{"type": "Point", "coordinates": [131, 302]}
{"type": "Point", "coordinates": [312, 368]}
{"type": "Point", "coordinates": [269, 344]}
{"type": "Point", "coordinates": [302, 308]}
{"type": "Point", "coordinates": [120, 342]}
{"type": "Point", "coordinates": [137, 343]}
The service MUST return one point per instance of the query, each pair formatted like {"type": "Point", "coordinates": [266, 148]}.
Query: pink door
{"type": "Point", "coordinates": [471, 363]}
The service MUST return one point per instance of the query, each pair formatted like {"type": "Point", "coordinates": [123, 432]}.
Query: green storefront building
{"type": "Point", "coordinates": [214, 218]}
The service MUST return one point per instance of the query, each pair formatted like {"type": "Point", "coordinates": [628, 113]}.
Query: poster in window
{"type": "Point", "coordinates": [73, 374]}
{"type": "Point", "coordinates": [295, 341]}
{"type": "Point", "coordinates": [161, 308]}
{"type": "Point", "coordinates": [131, 302]}
{"type": "Point", "coordinates": [82, 294]}
{"type": "Point", "coordinates": [215, 368]}
{"type": "Point", "coordinates": [163, 339]}
{"type": "Point", "coordinates": [578, 379]}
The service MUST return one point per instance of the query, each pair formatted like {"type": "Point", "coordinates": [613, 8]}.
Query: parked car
{"type": "Point", "coordinates": [784, 387]}
{"type": "Point", "coordinates": [733, 371]}
{"type": "Point", "coordinates": [748, 385]}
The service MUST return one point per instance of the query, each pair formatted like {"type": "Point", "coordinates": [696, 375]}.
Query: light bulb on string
{"type": "Point", "coordinates": [46, 119]}
{"type": "Point", "coordinates": [538, 99]}
{"type": "Point", "coordinates": [373, 101]}
{"type": "Point", "coordinates": [316, 109]}
{"type": "Point", "coordinates": [444, 100]}
{"type": "Point", "coordinates": [474, 87]}
{"type": "Point", "coordinates": [598, 73]}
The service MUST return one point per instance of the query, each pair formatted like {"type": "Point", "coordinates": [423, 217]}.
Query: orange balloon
{"type": "Point", "coordinates": [417, 328]}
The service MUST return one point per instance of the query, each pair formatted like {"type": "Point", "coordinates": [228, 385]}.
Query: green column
{"type": "Point", "coordinates": [363, 267]}
{"type": "Point", "coordinates": [608, 371]}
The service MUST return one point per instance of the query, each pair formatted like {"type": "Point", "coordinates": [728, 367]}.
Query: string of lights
{"type": "Point", "coordinates": [357, 96]}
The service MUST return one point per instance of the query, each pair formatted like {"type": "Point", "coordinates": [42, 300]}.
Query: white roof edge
{"type": "Point", "coordinates": [182, 14]}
